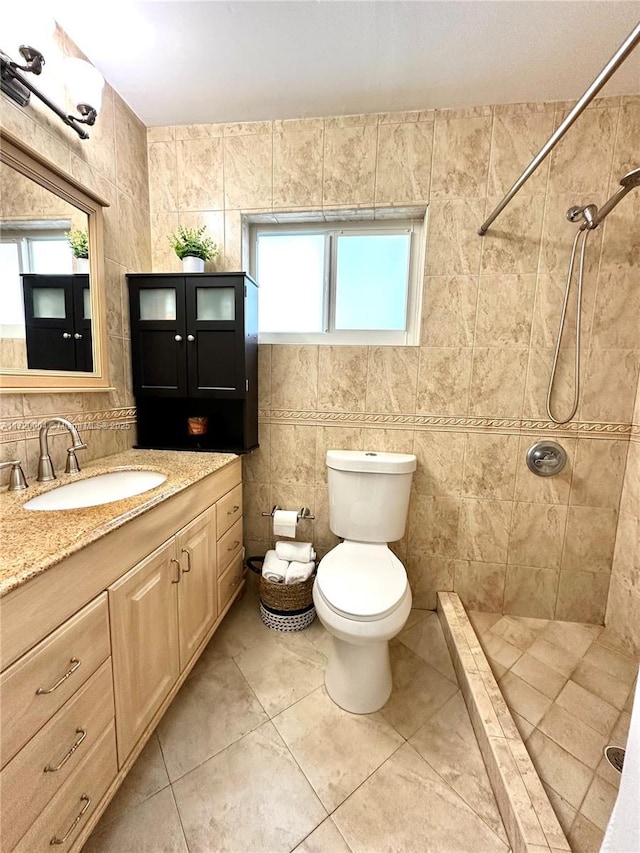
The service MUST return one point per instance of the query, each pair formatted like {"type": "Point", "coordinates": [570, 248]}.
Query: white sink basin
{"type": "Point", "coordinates": [101, 489]}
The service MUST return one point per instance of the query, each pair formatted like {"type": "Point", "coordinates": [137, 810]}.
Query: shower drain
{"type": "Point", "coordinates": [615, 757]}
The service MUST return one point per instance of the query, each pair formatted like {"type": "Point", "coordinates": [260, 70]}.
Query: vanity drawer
{"type": "Point", "coordinates": [229, 546]}
{"type": "Point", "coordinates": [75, 801]}
{"type": "Point", "coordinates": [229, 582]}
{"type": "Point", "coordinates": [57, 667]}
{"type": "Point", "coordinates": [229, 510]}
{"type": "Point", "coordinates": [39, 770]}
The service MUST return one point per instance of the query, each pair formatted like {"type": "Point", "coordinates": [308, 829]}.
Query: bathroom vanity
{"type": "Point", "coordinates": [103, 613]}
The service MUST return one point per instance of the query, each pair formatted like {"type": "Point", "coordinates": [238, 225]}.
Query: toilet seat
{"type": "Point", "coordinates": [362, 581]}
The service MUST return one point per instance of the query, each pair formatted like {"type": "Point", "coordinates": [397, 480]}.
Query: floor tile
{"type": "Point", "coordinates": [565, 813]}
{"type": "Point", "coordinates": [523, 698]}
{"type": "Point", "coordinates": [499, 650]}
{"type": "Point", "coordinates": [483, 621]}
{"type": "Point", "coordinates": [427, 641]}
{"type": "Point", "coordinates": [572, 734]}
{"type": "Point", "coordinates": [584, 836]}
{"type": "Point", "coordinates": [242, 627]}
{"type": "Point", "coordinates": [515, 632]}
{"type": "Point", "coordinates": [598, 803]}
{"type": "Point", "coordinates": [147, 776]}
{"type": "Point", "coordinates": [229, 802]}
{"type": "Point", "coordinates": [215, 707]}
{"type": "Point", "coordinates": [281, 670]}
{"type": "Point", "coordinates": [558, 769]}
{"type": "Point", "coordinates": [418, 691]}
{"type": "Point", "coordinates": [536, 673]}
{"type": "Point", "coordinates": [525, 728]}
{"type": "Point", "coordinates": [336, 750]}
{"type": "Point", "coordinates": [574, 637]}
{"type": "Point", "coordinates": [617, 665]}
{"type": "Point", "coordinates": [588, 707]}
{"type": "Point", "coordinates": [448, 743]}
{"type": "Point", "coordinates": [416, 616]}
{"type": "Point", "coordinates": [405, 806]}
{"type": "Point", "coordinates": [601, 683]}
{"type": "Point", "coordinates": [325, 839]}
{"type": "Point", "coordinates": [554, 656]}
{"type": "Point", "coordinates": [152, 827]}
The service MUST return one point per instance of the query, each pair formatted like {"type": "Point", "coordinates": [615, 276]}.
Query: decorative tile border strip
{"type": "Point", "coordinates": [15, 429]}
{"type": "Point", "coordinates": [430, 422]}
{"type": "Point", "coordinates": [530, 821]}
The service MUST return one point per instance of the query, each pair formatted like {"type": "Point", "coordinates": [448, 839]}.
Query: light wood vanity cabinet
{"type": "Point", "coordinates": [81, 702]}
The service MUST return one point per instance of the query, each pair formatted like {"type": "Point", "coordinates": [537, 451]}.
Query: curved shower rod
{"type": "Point", "coordinates": [627, 47]}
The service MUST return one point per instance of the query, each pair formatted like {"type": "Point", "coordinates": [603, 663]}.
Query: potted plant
{"type": "Point", "coordinates": [79, 242]}
{"type": "Point", "coordinates": [193, 248]}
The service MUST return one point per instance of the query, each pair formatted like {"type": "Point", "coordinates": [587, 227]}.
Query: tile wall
{"type": "Point", "coordinates": [113, 162]}
{"type": "Point", "coordinates": [470, 399]}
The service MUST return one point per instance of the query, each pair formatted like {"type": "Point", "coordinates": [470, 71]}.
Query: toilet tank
{"type": "Point", "coordinates": [369, 494]}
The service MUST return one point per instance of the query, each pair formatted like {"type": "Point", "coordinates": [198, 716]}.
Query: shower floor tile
{"type": "Point", "coordinates": [286, 769]}
{"type": "Point", "coordinates": [588, 687]}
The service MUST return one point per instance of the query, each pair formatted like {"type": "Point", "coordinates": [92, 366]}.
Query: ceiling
{"type": "Point", "coordinates": [193, 62]}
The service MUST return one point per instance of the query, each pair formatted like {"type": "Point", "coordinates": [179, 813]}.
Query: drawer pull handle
{"type": "Point", "coordinates": [75, 663]}
{"type": "Point", "coordinates": [50, 769]}
{"type": "Point", "coordinates": [233, 511]}
{"type": "Point", "coordinates": [188, 553]}
{"type": "Point", "coordinates": [177, 562]}
{"type": "Point", "coordinates": [87, 802]}
{"type": "Point", "coordinates": [233, 546]}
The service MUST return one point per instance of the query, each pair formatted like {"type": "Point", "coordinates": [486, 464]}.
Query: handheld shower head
{"type": "Point", "coordinates": [631, 179]}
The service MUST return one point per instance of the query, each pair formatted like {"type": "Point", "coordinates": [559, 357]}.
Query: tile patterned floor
{"type": "Point", "coordinates": [253, 756]}
{"type": "Point", "coordinates": [570, 695]}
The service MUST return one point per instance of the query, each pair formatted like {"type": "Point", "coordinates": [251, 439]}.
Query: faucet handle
{"type": "Point", "coordinates": [73, 466]}
{"type": "Point", "coordinates": [17, 480]}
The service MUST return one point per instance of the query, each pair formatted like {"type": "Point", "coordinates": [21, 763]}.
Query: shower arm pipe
{"type": "Point", "coordinates": [630, 43]}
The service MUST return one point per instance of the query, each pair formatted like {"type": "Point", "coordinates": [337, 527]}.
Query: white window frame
{"type": "Point", "coordinates": [407, 337]}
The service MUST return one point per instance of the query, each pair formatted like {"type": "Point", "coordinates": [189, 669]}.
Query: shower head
{"type": "Point", "coordinates": [631, 179]}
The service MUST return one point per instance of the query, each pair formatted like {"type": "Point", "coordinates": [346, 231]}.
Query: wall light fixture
{"type": "Point", "coordinates": [84, 83]}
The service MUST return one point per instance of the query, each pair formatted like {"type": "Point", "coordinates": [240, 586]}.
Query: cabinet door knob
{"type": "Point", "coordinates": [66, 335]}
{"type": "Point", "coordinates": [190, 338]}
{"type": "Point", "coordinates": [178, 338]}
{"type": "Point", "coordinates": [77, 336]}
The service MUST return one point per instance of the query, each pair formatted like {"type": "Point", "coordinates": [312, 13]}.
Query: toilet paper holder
{"type": "Point", "coordinates": [303, 514]}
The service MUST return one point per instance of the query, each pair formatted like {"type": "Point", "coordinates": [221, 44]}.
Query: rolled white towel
{"type": "Point", "coordinates": [298, 572]}
{"type": "Point", "coordinates": [273, 568]}
{"type": "Point", "coordinates": [300, 552]}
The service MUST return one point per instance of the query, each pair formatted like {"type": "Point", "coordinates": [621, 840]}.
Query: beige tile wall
{"type": "Point", "coordinates": [470, 399]}
{"type": "Point", "coordinates": [113, 162]}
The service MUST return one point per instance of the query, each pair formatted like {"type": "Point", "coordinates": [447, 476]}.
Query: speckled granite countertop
{"type": "Point", "coordinates": [33, 542]}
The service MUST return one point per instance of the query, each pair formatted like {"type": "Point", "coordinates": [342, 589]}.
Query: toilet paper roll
{"type": "Point", "coordinates": [284, 522]}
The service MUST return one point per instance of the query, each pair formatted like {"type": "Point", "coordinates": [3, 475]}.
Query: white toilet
{"type": "Point", "coordinates": [361, 592]}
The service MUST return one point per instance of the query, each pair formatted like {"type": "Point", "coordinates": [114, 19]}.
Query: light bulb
{"type": "Point", "coordinates": [84, 82]}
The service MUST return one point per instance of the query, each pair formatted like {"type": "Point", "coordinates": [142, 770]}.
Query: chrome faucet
{"type": "Point", "coordinates": [45, 466]}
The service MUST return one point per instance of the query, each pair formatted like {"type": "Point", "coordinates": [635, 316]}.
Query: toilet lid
{"type": "Point", "coordinates": [362, 581]}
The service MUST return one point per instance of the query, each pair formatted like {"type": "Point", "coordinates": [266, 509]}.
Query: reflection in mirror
{"type": "Point", "coordinates": [44, 285]}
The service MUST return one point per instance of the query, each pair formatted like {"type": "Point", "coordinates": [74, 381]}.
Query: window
{"type": "Point", "coordinates": [339, 282]}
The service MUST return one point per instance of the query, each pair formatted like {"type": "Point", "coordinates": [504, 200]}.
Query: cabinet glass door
{"type": "Point", "coordinates": [215, 303]}
{"type": "Point", "coordinates": [158, 303]}
{"type": "Point", "coordinates": [49, 303]}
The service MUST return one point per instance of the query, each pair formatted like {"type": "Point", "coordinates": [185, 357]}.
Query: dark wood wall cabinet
{"type": "Point", "coordinates": [57, 318]}
{"type": "Point", "coordinates": [194, 350]}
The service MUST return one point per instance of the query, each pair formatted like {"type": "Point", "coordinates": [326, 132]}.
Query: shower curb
{"type": "Point", "coordinates": [527, 814]}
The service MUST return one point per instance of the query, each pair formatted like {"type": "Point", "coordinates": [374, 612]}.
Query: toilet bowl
{"type": "Point", "coordinates": [361, 592]}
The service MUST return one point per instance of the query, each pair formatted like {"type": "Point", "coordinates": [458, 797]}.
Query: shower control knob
{"type": "Point", "coordinates": [546, 458]}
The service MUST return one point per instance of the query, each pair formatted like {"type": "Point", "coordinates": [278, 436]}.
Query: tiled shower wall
{"type": "Point", "coordinates": [113, 163]}
{"type": "Point", "coordinates": [623, 606]}
{"type": "Point", "coordinates": [470, 399]}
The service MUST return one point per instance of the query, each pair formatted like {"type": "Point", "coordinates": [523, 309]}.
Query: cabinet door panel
{"type": "Point", "coordinates": [144, 639]}
{"type": "Point", "coordinates": [197, 590]}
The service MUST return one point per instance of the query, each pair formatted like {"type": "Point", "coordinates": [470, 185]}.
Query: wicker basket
{"type": "Point", "coordinates": [285, 607]}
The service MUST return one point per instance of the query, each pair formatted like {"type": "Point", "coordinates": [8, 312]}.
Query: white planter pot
{"type": "Point", "coordinates": [190, 264]}
{"type": "Point", "coordinates": [82, 265]}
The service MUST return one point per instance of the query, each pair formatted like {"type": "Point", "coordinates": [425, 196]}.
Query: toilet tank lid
{"type": "Point", "coordinates": [374, 462]}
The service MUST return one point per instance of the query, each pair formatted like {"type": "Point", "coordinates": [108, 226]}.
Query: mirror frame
{"type": "Point", "coordinates": [17, 155]}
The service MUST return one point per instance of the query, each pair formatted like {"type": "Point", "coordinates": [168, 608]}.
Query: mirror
{"type": "Point", "coordinates": [52, 326]}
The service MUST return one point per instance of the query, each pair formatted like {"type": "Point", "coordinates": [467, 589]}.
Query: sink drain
{"type": "Point", "coordinates": [615, 757]}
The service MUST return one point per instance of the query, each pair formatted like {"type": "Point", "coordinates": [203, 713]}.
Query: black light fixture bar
{"type": "Point", "coordinates": [12, 74]}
